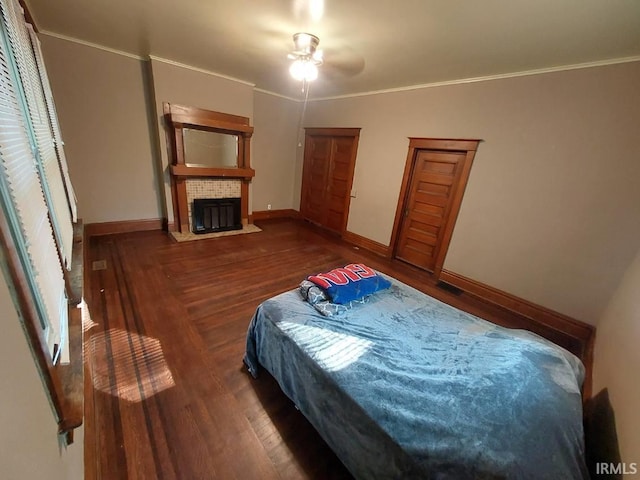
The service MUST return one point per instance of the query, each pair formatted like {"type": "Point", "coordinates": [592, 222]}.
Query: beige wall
{"type": "Point", "coordinates": [273, 151]}
{"type": "Point", "coordinates": [617, 357]}
{"type": "Point", "coordinates": [28, 431]}
{"type": "Point", "coordinates": [102, 105]}
{"type": "Point", "coordinates": [548, 214]}
{"type": "Point", "coordinates": [551, 209]}
{"type": "Point", "coordinates": [110, 107]}
{"type": "Point", "coordinates": [185, 86]}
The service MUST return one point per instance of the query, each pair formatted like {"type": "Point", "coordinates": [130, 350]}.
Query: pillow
{"type": "Point", "coordinates": [317, 297]}
{"type": "Point", "coordinates": [312, 293]}
{"type": "Point", "coordinates": [350, 282]}
{"type": "Point", "coordinates": [330, 309]}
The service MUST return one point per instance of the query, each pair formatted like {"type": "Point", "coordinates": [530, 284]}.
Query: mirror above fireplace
{"type": "Point", "coordinates": [205, 148]}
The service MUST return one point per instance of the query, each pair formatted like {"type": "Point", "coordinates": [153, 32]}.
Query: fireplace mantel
{"type": "Point", "coordinates": [187, 171]}
{"type": "Point", "coordinates": [179, 117]}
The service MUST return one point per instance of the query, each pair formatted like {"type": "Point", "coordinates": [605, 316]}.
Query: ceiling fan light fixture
{"type": "Point", "coordinates": [303, 69]}
{"type": "Point", "coordinates": [306, 57]}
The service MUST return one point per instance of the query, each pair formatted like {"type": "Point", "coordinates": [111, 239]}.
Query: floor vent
{"type": "Point", "coordinates": [99, 265]}
{"type": "Point", "coordinates": [449, 288]}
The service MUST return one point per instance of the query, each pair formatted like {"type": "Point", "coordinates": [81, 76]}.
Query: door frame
{"type": "Point", "coordinates": [416, 144]}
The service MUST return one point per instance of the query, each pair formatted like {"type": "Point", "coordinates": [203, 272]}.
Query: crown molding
{"type": "Point", "coordinates": [269, 92]}
{"type": "Point", "coordinates": [141, 58]}
{"type": "Point", "coordinates": [487, 78]}
{"type": "Point", "coordinates": [524, 73]}
{"type": "Point", "coordinates": [89, 44]}
{"type": "Point", "coordinates": [200, 70]}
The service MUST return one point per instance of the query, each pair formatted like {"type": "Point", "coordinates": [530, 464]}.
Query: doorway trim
{"type": "Point", "coordinates": [466, 146]}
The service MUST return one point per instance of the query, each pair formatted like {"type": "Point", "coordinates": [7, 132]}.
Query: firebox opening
{"type": "Point", "coordinates": [216, 215]}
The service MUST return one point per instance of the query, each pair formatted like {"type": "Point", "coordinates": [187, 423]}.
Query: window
{"type": "Point", "coordinates": [35, 197]}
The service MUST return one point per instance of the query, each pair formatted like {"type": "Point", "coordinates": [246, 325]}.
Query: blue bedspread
{"type": "Point", "coordinates": [408, 387]}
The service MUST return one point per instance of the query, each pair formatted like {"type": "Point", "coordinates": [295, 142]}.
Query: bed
{"type": "Point", "coordinates": [405, 386]}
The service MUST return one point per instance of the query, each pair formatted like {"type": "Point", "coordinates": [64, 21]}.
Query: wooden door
{"type": "Point", "coordinates": [430, 193]}
{"type": "Point", "coordinates": [435, 178]}
{"type": "Point", "coordinates": [317, 160]}
{"type": "Point", "coordinates": [339, 181]}
{"type": "Point", "coordinates": [327, 177]}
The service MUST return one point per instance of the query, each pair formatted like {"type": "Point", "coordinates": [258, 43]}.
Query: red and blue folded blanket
{"type": "Point", "coordinates": [318, 298]}
{"type": "Point", "coordinates": [351, 282]}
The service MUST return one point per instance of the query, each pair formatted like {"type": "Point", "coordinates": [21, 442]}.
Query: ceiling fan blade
{"type": "Point", "coordinates": [343, 62]}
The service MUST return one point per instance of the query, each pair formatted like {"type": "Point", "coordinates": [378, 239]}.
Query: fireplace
{"type": "Point", "coordinates": [184, 172]}
{"type": "Point", "coordinates": [216, 215]}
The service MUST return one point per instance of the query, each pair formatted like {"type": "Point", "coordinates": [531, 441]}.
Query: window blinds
{"type": "Point", "coordinates": [22, 191]}
{"type": "Point", "coordinates": [39, 123]}
{"type": "Point", "coordinates": [53, 122]}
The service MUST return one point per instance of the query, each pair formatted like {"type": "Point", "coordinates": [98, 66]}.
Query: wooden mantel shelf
{"type": "Point", "coordinates": [182, 170]}
{"type": "Point", "coordinates": [190, 120]}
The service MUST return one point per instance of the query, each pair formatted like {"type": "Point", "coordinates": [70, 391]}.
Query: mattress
{"type": "Point", "coordinates": [405, 386]}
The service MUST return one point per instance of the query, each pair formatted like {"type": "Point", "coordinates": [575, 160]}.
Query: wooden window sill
{"type": "Point", "coordinates": [71, 375]}
{"type": "Point", "coordinates": [72, 379]}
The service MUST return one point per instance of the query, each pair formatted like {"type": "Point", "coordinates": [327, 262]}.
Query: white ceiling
{"type": "Point", "coordinates": [368, 44]}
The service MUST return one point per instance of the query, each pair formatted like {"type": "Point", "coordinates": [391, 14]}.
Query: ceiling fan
{"type": "Point", "coordinates": [306, 57]}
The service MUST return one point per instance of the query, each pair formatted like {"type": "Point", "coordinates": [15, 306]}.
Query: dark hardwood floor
{"type": "Point", "coordinates": [167, 395]}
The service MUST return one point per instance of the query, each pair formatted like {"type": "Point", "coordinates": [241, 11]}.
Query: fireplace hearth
{"type": "Point", "coordinates": [216, 215]}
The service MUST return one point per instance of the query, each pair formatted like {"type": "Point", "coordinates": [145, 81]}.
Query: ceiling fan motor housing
{"type": "Point", "coordinates": [305, 43]}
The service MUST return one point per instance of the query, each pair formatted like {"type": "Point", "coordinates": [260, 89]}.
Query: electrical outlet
{"type": "Point", "coordinates": [269, 207]}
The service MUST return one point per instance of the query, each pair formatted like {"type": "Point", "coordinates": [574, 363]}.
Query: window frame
{"type": "Point", "coordinates": [32, 258]}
